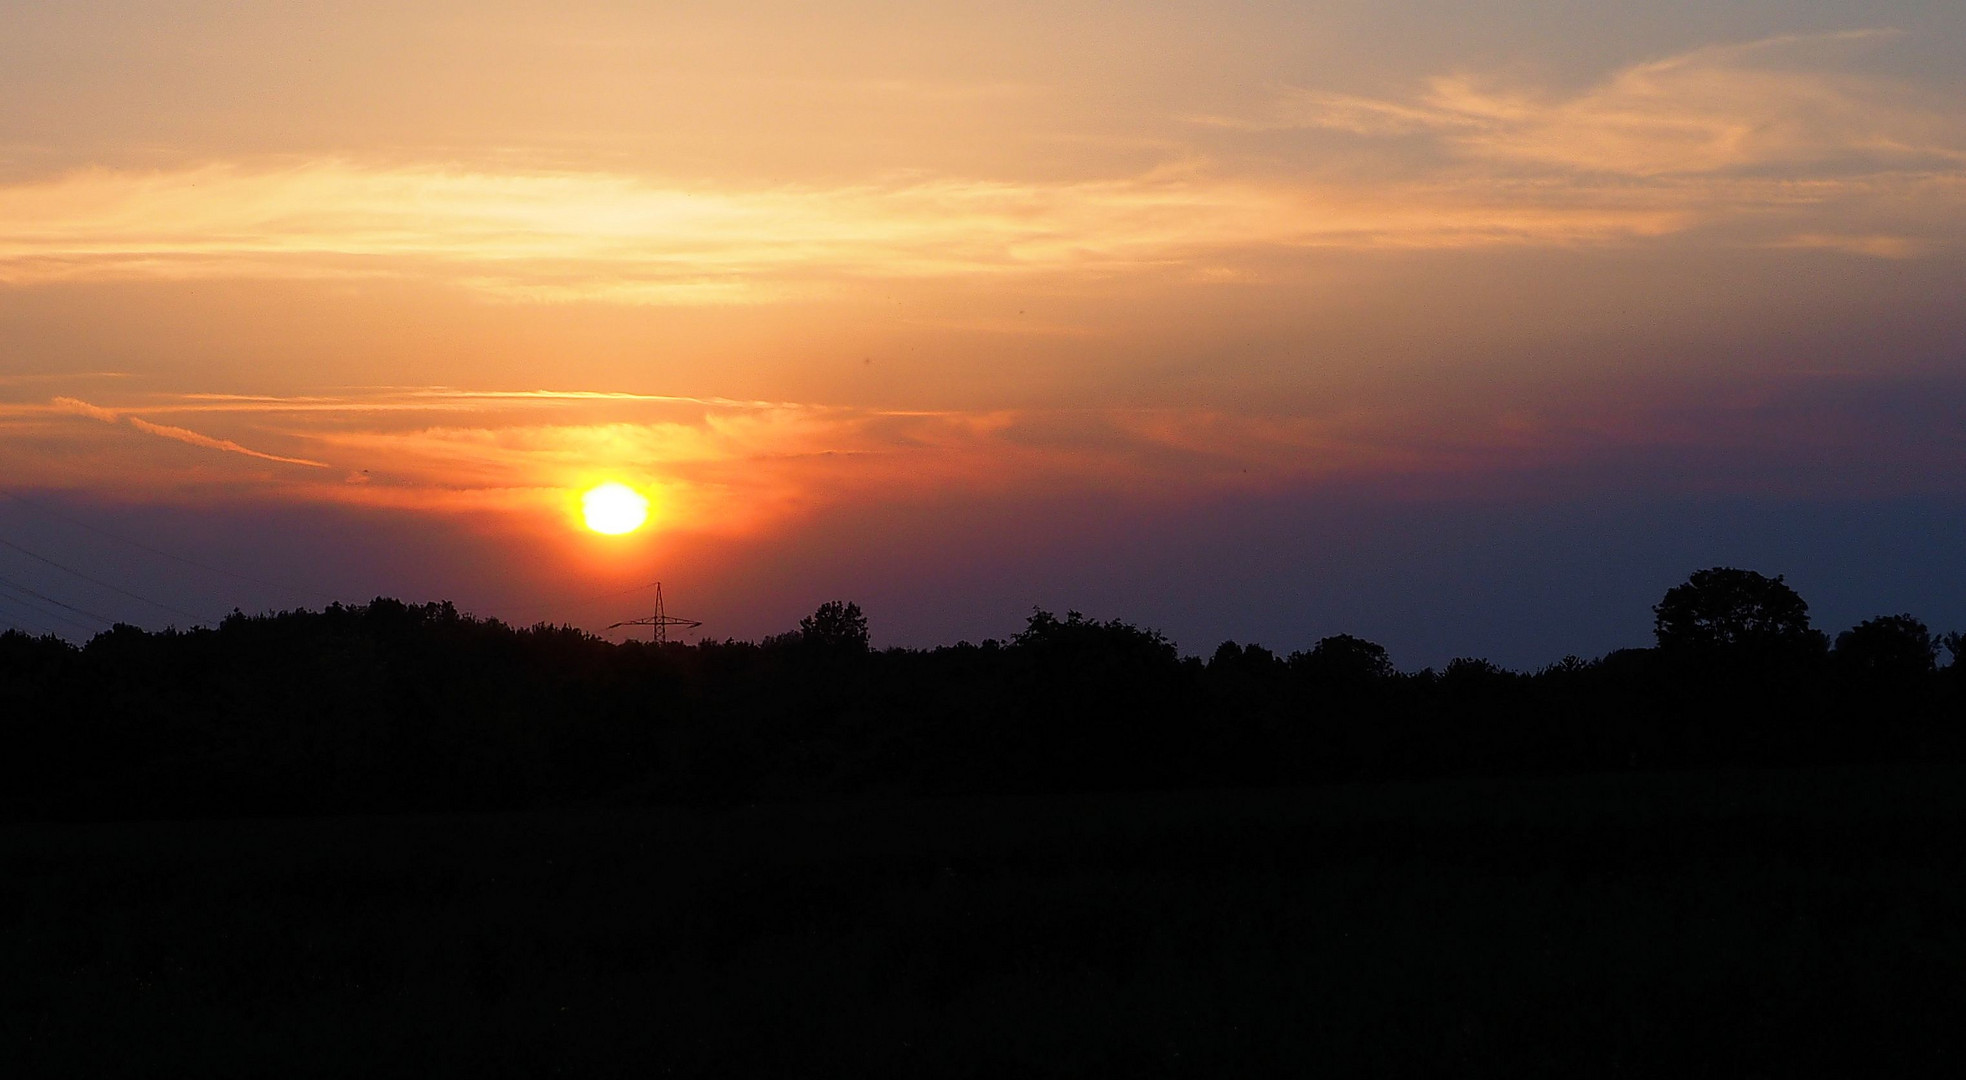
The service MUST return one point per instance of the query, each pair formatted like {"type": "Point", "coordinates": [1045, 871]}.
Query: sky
{"type": "Point", "coordinates": [1470, 328]}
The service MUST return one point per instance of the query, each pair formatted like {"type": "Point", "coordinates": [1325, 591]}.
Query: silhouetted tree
{"type": "Point", "coordinates": [835, 626]}
{"type": "Point", "coordinates": [1893, 647]}
{"type": "Point", "coordinates": [1471, 669]}
{"type": "Point", "coordinates": [1343, 658]}
{"type": "Point", "coordinates": [1252, 660]}
{"type": "Point", "coordinates": [1076, 634]}
{"type": "Point", "coordinates": [1955, 672]}
{"type": "Point", "coordinates": [393, 707]}
{"type": "Point", "coordinates": [1955, 643]}
{"type": "Point", "coordinates": [1728, 609]}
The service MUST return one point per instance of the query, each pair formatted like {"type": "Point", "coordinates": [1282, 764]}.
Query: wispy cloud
{"type": "Point", "coordinates": [64, 376]}
{"type": "Point", "coordinates": [1776, 104]}
{"type": "Point", "coordinates": [421, 399]}
{"type": "Point", "coordinates": [83, 408]}
{"type": "Point", "coordinates": [601, 237]}
{"type": "Point", "coordinates": [1879, 246]}
{"type": "Point", "coordinates": [1775, 137]}
{"type": "Point", "coordinates": [178, 434]}
{"type": "Point", "coordinates": [738, 468]}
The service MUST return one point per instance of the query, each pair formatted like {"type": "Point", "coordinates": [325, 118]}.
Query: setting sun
{"type": "Point", "coordinates": [614, 509]}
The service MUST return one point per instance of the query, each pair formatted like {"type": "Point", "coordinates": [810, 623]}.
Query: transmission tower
{"type": "Point", "coordinates": [660, 622]}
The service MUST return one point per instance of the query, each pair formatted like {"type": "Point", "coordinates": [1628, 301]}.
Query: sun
{"type": "Point", "coordinates": [614, 509]}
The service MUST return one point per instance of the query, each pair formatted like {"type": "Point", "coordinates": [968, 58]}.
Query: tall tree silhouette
{"type": "Point", "coordinates": [1728, 609]}
{"type": "Point", "coordinates": [836, 626]}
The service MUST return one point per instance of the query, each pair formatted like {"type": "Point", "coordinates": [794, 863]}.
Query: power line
{"type": "Point", "coordinates": [571, 605]}
{"type": "Point", "coordinates": [41, 621]}
{"type": "Point", "coordinates": [39, 600]}
{"type": "Point", "coordinates": [85, 526]}
{"type": "Point", "coordinates": [27, 592]}
{"type": "Point", "coordinates": [617, 592]}
{"type": "Point", "coordinates": [13, 623]}
{"type": "Point", "coordinates": [4, 542]}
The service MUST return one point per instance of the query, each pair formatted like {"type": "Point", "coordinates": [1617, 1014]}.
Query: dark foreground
{"type": "Point", "coordinates": [1734, 924]}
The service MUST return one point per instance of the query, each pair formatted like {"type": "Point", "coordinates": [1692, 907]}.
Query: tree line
{"type": "Point", "coordinates": [394, 707]}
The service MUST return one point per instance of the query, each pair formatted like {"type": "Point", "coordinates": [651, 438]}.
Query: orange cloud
{"type": "Point", "coordinates": [1770, 103]}
{"type": "Point", "coordinates": [1773, 137]}
{"type": "Point", "coordinates": [605, 237]}
{"type": "Point", "coordinates": [1770, 135]}
{"type": "Point", "coordinates": [166, 431]}
{"type": "Point", "coordinates": [736, 470]}
{"type": "Point", "coordinates": [83, 408]}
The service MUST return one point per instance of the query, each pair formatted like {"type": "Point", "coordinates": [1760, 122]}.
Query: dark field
{"type": "Point", "coordinates": [1736, 924]}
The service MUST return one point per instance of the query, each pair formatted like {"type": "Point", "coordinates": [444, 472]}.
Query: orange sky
{"type": "Point", "coordinates": [778, 263]}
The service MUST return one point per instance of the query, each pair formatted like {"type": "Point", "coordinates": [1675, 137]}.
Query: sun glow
{"type": "Point", "coordinates": [614, 509]}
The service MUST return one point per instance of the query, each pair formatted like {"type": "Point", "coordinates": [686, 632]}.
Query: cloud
{"type": "Point", "coordinates": [65, 376]}
{"type": "Point", "coordinates": [83, 408]}
{"type": "Point", "coordinates": [178, 434]}
{"type": "Point", "coordinates": [1781, 104]}
{"type": "Point", "coordinates": [1775, 140]}
{"type": "Point", "coordinates": [1774, 143]}
{"type": "Point", "coordinates": [193, 438]}
{"type": "Point", "coordinates": [422, 399]}
{"type": "Point", "coordinates": [1874, 246]}
{"type": "Point", "coordinates": [739, 469]}
{"type": "Point", "coordinates": [1298, 108]}
{"type": "Point", "coordinates": [592, 236]}
{"type": "Point", "coordinates": [609, 238]}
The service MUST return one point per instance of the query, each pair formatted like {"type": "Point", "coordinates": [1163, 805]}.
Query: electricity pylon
{"type": "Point", "coordinates": [660, 622]}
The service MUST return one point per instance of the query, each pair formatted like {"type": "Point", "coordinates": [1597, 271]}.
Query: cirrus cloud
{"type": "Point", "coordinates": [1776, 138]}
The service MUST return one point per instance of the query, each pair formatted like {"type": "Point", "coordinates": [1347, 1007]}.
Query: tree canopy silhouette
{"type": "Point", "coordinates": [392, 707]}
{"type": "Point", "coordinates": [1728, 609]}
{"type": "Point", "coordinates": [1888, 647]}
{"type": "Point", "coordinates": [1343, 658]}
{"type": "Point", "coordinates": [836, 626]}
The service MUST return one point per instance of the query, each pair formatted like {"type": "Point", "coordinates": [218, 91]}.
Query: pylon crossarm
{"type": "Point", "coordinates": [660, 622]}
